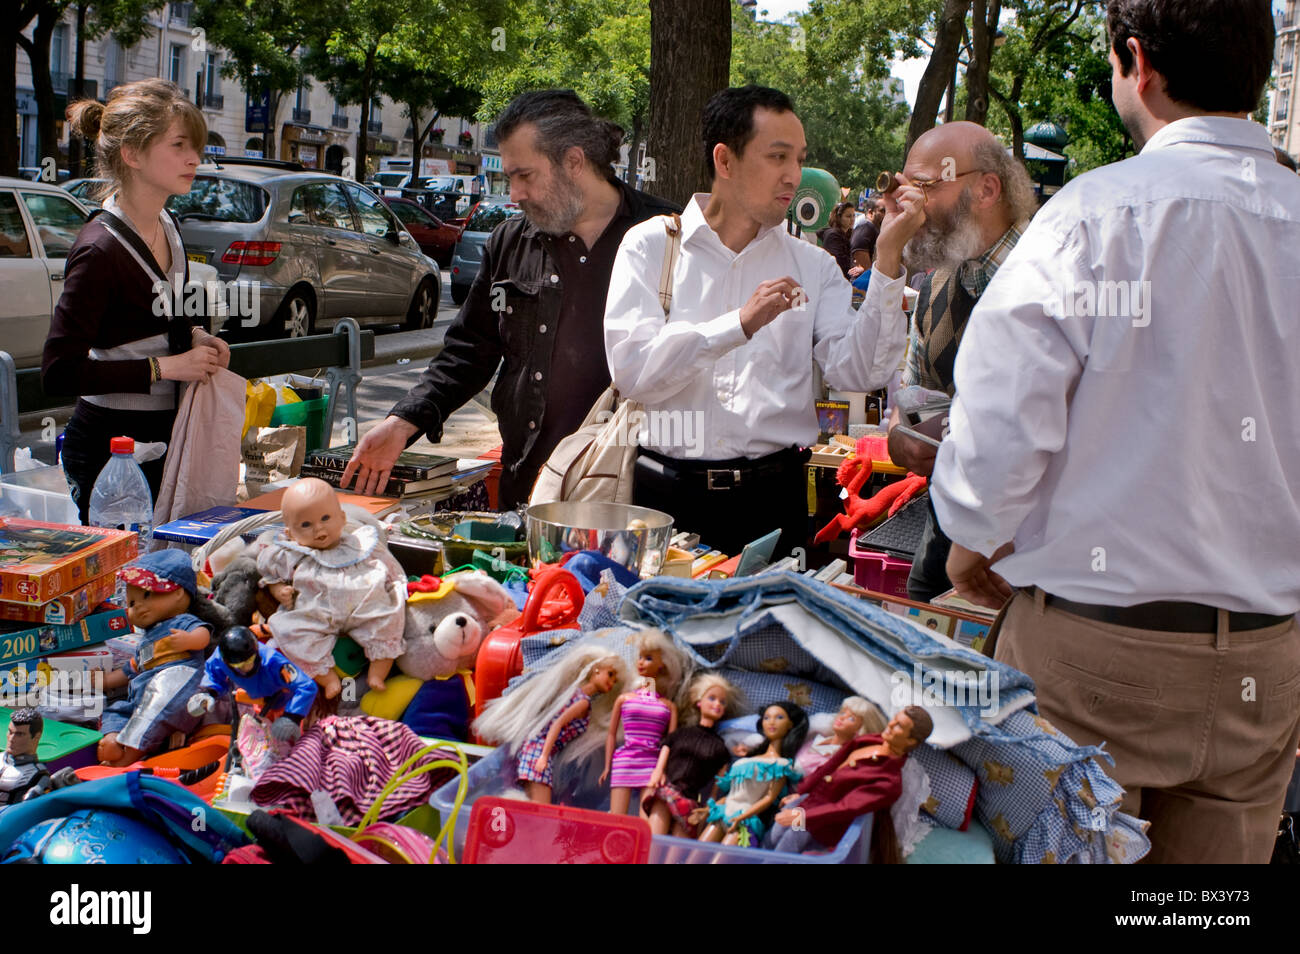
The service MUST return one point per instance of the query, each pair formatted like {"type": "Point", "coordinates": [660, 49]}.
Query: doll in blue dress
{"type": "Point", "coordinates": [754, 784]}
{"type": "Point", "coordinates": [162, 599]}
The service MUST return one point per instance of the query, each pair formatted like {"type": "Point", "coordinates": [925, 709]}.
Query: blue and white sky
{"type": "Point", "coordinates": [909, 71]}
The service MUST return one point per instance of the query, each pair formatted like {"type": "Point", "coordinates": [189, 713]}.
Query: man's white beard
{"type": "Point", "coordinates": [947, 242]}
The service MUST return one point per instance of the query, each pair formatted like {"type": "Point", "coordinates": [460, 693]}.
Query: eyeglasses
{"type": "Point", "coordinates": [887, 182]}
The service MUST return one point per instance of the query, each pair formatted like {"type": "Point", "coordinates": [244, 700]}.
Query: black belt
{"type": "Point", "coordinates": [734, 473]}
{"type": "Point", "coordinates": [1165, 616]}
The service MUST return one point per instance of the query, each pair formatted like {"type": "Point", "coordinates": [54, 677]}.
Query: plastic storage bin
{"type": "Point", "coordinates": [41, 494]}
{"type": "Point", "coordinates": [878, 571]}
{"type": "Point", "coordinates": [495, 776]}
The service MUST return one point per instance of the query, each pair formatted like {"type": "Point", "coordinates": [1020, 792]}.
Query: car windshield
{"type": "Point", "coordinates": [220, 200]}
{"type": "Point", "coordinates": [488, 217]}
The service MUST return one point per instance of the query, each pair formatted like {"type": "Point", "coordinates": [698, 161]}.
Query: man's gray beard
{"type": "Point", "coordinates": [946, 243]}
{"type": "Point", "coordinates": [562, 209]}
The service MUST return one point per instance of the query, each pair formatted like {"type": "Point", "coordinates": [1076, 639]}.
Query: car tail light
{"type": "Point", "coordinates": [455, 270]}
{"type": "Point", "coordinates": [251, 253]}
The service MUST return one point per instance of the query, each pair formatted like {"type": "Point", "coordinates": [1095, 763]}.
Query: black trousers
{"type": "Point", "coordinates": [86, 450]}
{"type": "Point", "coordinates": [929, 576]}
{"type": "Point", "coordinates": [772, 495]}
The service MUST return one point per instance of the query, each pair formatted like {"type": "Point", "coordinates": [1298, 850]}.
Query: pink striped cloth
{"type": "Point", "coordinates": [351, 759]}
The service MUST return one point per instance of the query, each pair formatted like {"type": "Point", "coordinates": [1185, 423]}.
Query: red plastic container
{"type": "Point", "coordinates": [878, 571]}
{"type": "Point", "coordinates": [499, 657]}
{"type": "Point", "coordinates": [506, 831]}
{"type": "Point", "coordinates": [493, 478]}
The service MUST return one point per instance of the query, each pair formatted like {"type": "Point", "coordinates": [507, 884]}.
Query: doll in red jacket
{"type": "Point", "coordinates": [864, 776]}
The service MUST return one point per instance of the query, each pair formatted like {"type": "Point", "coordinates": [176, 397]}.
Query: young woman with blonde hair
{"type": "Point", "coordinates": [113, 340]}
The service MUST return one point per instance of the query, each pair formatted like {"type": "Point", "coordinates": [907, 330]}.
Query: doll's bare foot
{"type": "Point", "coordinates": [377, 672]}
{"type": "Point", "coordinates": [330, 684]}
{"type": "Point", "coordinates": [108, 750]}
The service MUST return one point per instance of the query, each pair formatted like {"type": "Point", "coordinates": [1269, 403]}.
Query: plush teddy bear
{"type": "Point", "coordinates": [446, 621]}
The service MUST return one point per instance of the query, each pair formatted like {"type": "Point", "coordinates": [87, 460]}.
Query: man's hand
{"type": "Point", "coordinates": [377, 453]}
{"type": "Point", "coordinates": [915, 455]}
{"type": "Point", "coordinates": [904, 217]}
{"type": "Point", "coordinates": [770, 298]}
{"type": "Point", "coordinates": [971, 573]}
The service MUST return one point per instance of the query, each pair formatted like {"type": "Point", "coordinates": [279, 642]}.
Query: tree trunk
{"type": "Point", "coordinates": [76, 150]}
{"type": "Point", "coordinates": [683, 75]}
{"type": "Point", "coordinates": [38, 54]}
{"type": "Point", "coordinates": [417, 140]}
{"type": "Point", "coordinates": [938, 72]}
{"type": "Point", "coordinates": [1011, 106]}
{"type": "Point", "coordinates": [272, 124]}
{"type": "Point", "coordinates": [984, 26]}
{"type": "Point", "coordinates": [363, 137]}
{"type": "Point", "coordinates": [634, 146]}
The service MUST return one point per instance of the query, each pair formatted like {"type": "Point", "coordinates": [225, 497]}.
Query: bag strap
{"type": "Point", "coordinates": [673, 226]}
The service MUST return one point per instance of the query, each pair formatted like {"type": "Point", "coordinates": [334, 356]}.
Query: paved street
{"type": "Point", "coordinates": [400, 356]}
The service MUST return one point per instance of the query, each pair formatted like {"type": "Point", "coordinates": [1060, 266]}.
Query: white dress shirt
{"type": "Point", "coordinates": [1153, 455]}
{"type": "Point", "coordinates": [752, 396]}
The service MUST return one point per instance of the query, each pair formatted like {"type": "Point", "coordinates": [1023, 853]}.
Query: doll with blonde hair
{"type": "Point", "coordinates": [550, 713]}
{"type": "Point", "coordinates": [690, 758]}
{"type": "Point", "coordinates": [647, 715]}
{"type": "Point", "coordinates": [857, 716]}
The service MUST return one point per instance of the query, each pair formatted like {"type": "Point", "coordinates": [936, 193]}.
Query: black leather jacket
{"type": "Point", "coordinates": [514, 275]}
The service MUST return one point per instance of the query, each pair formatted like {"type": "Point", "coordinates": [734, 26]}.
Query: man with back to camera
{"type": "Point", "coordinates": [752, 308]}
{"type": "Point", "coordinates": [536, 306]}
{"type": "Point", "coordinates": [1128, 455]}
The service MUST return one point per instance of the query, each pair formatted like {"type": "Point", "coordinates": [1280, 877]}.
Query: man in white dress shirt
{"type": "Point", "coordinates": [752, 308]}
{"type": "Point", "coordinates": [1125, 445]}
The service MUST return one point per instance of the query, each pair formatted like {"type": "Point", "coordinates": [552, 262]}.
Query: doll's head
{"type": "Point", "coordinates": [658, 658]}
{"type": "Point", "coordinates": [709, 700]}
{"type": "Point", "coordinates": [907, 729]}
{"type": "Point", "coordinates": [312, 515]}
{"type": "Point", "coordinates": [159, 585]}
{"type": "Point", "coordinates": [856, 717]}
{"type": "Point", "coordinates": [24, 734]}
{"type": "Point", "coordinates": [604, 674]}
{"type": "Point", "coordinates": [784, 723]}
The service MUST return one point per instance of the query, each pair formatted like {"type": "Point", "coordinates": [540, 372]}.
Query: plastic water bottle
{"type": "Point", "coordinates": [122, 499]}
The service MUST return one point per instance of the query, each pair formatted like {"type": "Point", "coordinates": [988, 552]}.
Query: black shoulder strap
{"type": "Point", "coordinates": [178, 327]}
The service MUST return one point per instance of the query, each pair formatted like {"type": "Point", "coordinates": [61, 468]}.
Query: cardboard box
{"type": "Point", "coordinates": [40, 561]}
{"type": "Point", "coordinates": [18, 643]}
{"type": "Point", "coordinates": [67, 608]}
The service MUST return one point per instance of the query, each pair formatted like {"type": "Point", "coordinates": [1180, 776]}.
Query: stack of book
{"type": "Point", "coordinates": [417, 480]}
{"type": "Point", "coordinates": [55, 580]}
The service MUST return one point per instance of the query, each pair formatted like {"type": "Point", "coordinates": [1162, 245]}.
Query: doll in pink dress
{"type": "Point", "coordinates": [647, 716]}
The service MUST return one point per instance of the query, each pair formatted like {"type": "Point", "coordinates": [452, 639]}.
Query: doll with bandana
{"type": "Point", "coordinates": [332, 578]}
{"type": "Point", "coordinates": [162, 599]}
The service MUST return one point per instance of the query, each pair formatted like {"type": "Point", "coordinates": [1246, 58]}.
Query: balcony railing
{"type": "Point", "coordinates": [180, 13]}
{"type": "Point", "coordinates": [61, 81]}
{"type": "Point", "coordinates": [301, 115]}
{"type": "Point", "coordinates": [214, 101]}
{"type": "Point", "coordinates": [339, 121]}
{"type": "Point", "coordinates": [375, 127]}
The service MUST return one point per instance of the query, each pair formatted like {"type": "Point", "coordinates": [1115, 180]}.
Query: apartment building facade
{"type": "Point", "coordinates": [1284, 114]}
{"type": "Point", "coordinates": [310, 126]}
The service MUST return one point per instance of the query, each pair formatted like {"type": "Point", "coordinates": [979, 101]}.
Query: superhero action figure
{"type": "Point", "coordinates": [285, 692]}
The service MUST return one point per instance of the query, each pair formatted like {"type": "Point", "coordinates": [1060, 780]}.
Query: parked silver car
{"type": "Point", "coordinates": [320, 248]}
{"type": "Point", "coordinates": [465, 260]}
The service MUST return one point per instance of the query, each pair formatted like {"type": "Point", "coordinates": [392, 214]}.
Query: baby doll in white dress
{"type": "Point", "coordinates": [332, 578]}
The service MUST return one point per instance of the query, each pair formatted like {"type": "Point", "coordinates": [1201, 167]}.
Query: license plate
{"type": "Point", "coordinates": [197, 257]}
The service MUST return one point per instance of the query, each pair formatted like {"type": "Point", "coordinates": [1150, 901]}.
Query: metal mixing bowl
{"type": "Point", "coordinates": [554, 529]}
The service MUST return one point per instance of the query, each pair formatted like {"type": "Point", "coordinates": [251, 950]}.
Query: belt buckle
{"type": "Point", "coordinates": [714, 475]}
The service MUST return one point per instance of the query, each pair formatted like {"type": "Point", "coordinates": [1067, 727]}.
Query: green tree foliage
{"type": "Point", "coordinates": [853, 125]}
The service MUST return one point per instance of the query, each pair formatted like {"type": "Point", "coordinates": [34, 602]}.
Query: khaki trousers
{"type": "Point", "coordinates": [1203, 727]}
